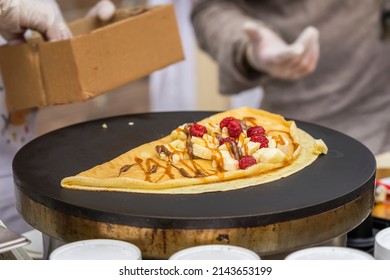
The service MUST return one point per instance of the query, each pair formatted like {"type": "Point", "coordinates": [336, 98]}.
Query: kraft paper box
{"type": "Point", "coordinates": [99, 58]}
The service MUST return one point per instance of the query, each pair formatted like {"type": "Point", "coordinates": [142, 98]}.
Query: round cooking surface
{"type": "Point", "coordinates": [341, 176]}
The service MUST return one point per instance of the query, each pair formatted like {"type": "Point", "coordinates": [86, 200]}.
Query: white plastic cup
{"type": "Point", "coordinates": [329, 253]}
{"type": "Point", "coordinates": [97, 249]}
{"type": "Point", "coordinates": [382, 244]}
{"type": "Point", "coordinates": [215, 252]}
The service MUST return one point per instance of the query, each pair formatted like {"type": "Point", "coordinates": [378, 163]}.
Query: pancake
{"type": "Point", "coordinates": [230, 150]}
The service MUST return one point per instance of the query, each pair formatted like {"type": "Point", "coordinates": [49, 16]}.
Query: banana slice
{"type": "Point", "coordinates": [179, 133]}
{"type": "Point", "coordinates": [176, 145]}
{"type": "Point", "coordinates": [250, 148]}
{"type": "Point", "coordinates": [198, 141]}
{"type": "Point", "coordinates": [212, 128]}
{"type": "Point", "coordinates": [224, 132]}
{"type": "Point", "coordinates": [269, 155]}
{"type": "Point", "coordinates": [284, 143]}
{"type": "Point", "coordinates": [271, 142]}
{"type": "Point", "coordinates": [224, 161]}
{"type": "Point", "coordinates": [212, 142]}
{"type": "Point", "coordinates": [201, 151]}
{"type": "Point", "coordinates": [206, 141]}
{"type": "Point", "coordinates": [230, 164]}
{"type": "Point", "coordinates": [173, 151]}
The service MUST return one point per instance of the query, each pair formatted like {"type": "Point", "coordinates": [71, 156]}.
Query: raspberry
{"type": "Point", "coordinates": [246, 161]}
{"type": "Point", "coordinates": [198, 130]}
{"type": "Point", "coordinates": [255, 130]}
{"type": "Point", "coordinates": [260, 139]}
{"type": "Point", "coordinates": [226, 121]}
{"type": "Point", "coordinates": [225, 140]}
{"type": "Point", "coordinates": [234, 128]}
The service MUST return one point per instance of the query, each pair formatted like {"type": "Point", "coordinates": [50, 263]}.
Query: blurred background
{"type": "Point", "coordinates": [188, 85]}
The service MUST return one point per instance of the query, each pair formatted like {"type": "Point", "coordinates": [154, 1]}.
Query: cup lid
{"type": "Point", "coordinates": [215, 252]}
{"type": "Point", "coordinates": [383, 238]}
{"type": "Point", "coordinates": [97, 249]}
{"type": "Point", "coordinates": [382, 244]}
{"type": "Point", "coordinates": [329, 253]}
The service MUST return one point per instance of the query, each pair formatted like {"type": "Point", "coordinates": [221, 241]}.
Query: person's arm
{"type": "Point", "coordinates": [218, 28]}
{"type": "Point", "coordinates": [246, 49]}
{"type": "Point", "coordinates": [385, 20]}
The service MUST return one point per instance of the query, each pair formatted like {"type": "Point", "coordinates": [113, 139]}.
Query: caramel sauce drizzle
{"type": "Point", "coordinates": [199, 171]}
{"type": "Point", "coordinates": [192, 169]}
{"type": "Point", "coordinates": [251, 120]}
{"type": "Point", "coordinates": [152, 166]}
{"type": "Point", "coordinates": [219, 161]}
{"type": "Point", "coordinates": [279, 139]}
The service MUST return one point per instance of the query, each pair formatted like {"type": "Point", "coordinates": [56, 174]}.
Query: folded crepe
{"type": "Point", "coordinates": [226, 151]}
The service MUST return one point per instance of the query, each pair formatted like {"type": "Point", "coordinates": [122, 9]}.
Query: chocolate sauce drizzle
{"type": "Point", "coordinates": [191, 168]}
{"type": "Point", "coordinates": [124, 168]}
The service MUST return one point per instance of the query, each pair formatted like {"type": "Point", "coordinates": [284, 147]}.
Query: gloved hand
{"type": "Point", "coordinates": [41, 15]}
{"type": "Point", "coordinates": [268, 53]}
{"type": "Point", "coordinates": [104, 10]}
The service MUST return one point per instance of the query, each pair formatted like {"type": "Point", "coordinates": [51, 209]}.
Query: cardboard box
{"type": "Point", "coordinates": [99, 58]}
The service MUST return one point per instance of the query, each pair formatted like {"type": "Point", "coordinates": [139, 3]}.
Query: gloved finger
{"type": "Point", "coordinates": [297, 50]}
{"type": "Point", "coordinates": [104, 10]}
{"type": "Point", "coordinates": [309, 59]}
{"type": "Point", "coordinates": [268, 52]}
{"type": "Point", "coordinates": [252, 31]}
{"type": "Point", "coordinates": [12, 38]}
{"type": "Point", "coordinates": [288, 73]}
{"type": "Point", "coordinates": [299, 63]}
{"type": "Point", "coordinates": [58, 31]}
{"type": "Point", "coordinates": [254, 47]}
{"type": "Point", "coordinates": [303, 64]}
{"type": "Point", "coordinates": [286, 56]}
{"type": "Point", "coordinates": [256, 34]}
{"type": "Point", "coordinates": [308, 35]}
{"type": "Point", "coordinates": [45, 17]}
{"type": "Point", "coordinates": [303, 69]}
{"type": "Point", "coordinates": [295, 67]}
{"type": "Point", "coordinates": [285, 74]}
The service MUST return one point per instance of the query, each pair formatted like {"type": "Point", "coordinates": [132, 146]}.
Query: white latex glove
{"type": "Point", "coordinates": [41, 15]}
{"type": "Point", "coordinates": [104, 10]}
{"type": "Point", "coordinates": [268, 53]}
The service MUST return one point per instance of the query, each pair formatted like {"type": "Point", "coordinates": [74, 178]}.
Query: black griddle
{"type": "Point", "coordinates": [333, 180]}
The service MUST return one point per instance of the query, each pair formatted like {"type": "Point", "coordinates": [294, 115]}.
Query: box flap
{"type": "Point", "coordinates": [85, 25]}
{"type": "Point", "coordinates": [134, 48]}
{"type": "Point", "coordinates": [59, 73]}
{"type": "Point", "coordinates": [22, 76]}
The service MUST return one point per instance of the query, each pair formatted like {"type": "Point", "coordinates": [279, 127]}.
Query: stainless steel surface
{"type": "Point", "coordinates": [10, 240]}
{"type": "Point", "coordinates": [49, 245]}
{"type": "Point", "coordinates": [340, 241]}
